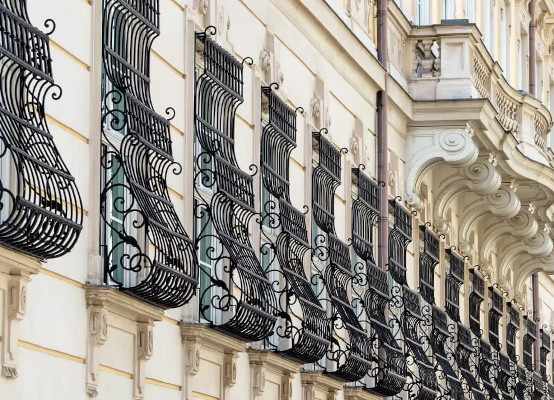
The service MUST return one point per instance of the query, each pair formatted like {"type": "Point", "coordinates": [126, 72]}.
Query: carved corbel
{"type": "Point", "coordinates": [286, 386]}
{"type": "Point", "coordinates": [537, 246]}
{"type": "Point", "coordinates": [429, 147]}
{"type": "Point", "coordinates": [503, 203]}
{"type": "Point", "coordinates": [523, 225]}
{"type": "Point", "coordinates": [16, 304]}
{"type": "Point", "coordinates": [258, 378]}
{"type": "Point", "coordinates": [481, 177]}
{"type": "Point", "coordinates": [98, 335]}
{"type": "Point", "coordinates": [144, 350]}
{"type": "Point", "coordinates": [230, 369]}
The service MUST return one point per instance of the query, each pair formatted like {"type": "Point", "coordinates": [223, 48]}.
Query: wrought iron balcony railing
{"type": "Point", "coordinates": [454, 281]}
{"type": "Point", "coordinates": [511, 330]}
{"type": "Point", "coordinates": [505, 377]}
{"type": "Point", "coordinates": [40, 205]}
{"type": "Point", "coordinates": [428, 260]}
{"type": "Point", "coordinates": [523, 384]}
{"type": "Point", "coordinates": [365, 211]}
{"type": "Point", "coordinates": [350, 354]}
{"type": "Point", "coordinates": [529, 339]}
{"type": "Point", "coordinates": [476, 297]}
{"type": "Point", "coordinates": [442, 343]}
{"type": "Point", "coordinates": [240, 290]}
{"type": "Point", "coordinates": [306, 329]}
{"type": "Point", "coordinates": [147, 252]}
{"type": "Point", "coordinates": [465, 352]}
{"type": "Point", "coordinates": [544, 351]}
{"type": "Point", "coordinates": [414, 325]}
{"type": "Point", "coordinates": [487, 369]}
{"type": "Point", "coordinates": [495, 314]}
{"type": "Point", "coordinates": [400, 235]}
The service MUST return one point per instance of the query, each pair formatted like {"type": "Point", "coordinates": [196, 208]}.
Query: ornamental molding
{"type": "Point", "coordinates": [428, 147]}
{"type": "Point", "coordinates": [358, 393]}
{"type": "Point", "coordinates": [482, 177]}
{"type": "Point", "coordinates": [317, 386]}
{"type": "Point", "coordinates": [523, 225]}
{"type": "Point", "coordinates": [503, 203]}
{"type": "Point", "coordinates": [15, 272]}
{"type": "Point", "coordinates": [263, 362]}
{"type": "Point", "coordinates": [105, 305]}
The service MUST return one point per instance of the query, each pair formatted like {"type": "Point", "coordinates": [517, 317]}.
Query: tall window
{"type": "Point", "coordinates": [448, 9]}
{"type": "Point", "coordinates": [504, 41]}
{"type": "Point", "coordinates": [423, 12]}
{"type": "Point", "coordinates": [470, 10]}
{"type": "Point", "coordinates": [488, 23]}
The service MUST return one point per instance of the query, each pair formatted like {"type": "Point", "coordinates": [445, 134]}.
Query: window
{"type": "Point", "coordinates": [448, 9]}
{"type": "Point", "coordinates": [423, 12]}
{"type": "Point", "coordinates": [470, 11]}
{"type": "Point", "coordinates": [504, 40]}
{"type": "Point", "coordinates": [488, 22]}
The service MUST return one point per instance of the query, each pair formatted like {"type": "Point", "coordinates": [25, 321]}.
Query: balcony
{"type": "Point", "coordinates": [450, 62]}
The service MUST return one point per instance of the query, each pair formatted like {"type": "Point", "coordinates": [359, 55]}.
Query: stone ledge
{"type": "Point", "coordinates": [359, 393]}
{"type": "Point", "coordinates": [313, 381]}
{"type": "Point", "coordinates": [14, 263]}
{"type": "Point", "coordinates": [273, 361]}
{"type": "Point", "coordinates": [205, 335]}
{"type": "Point", "coordinates": [122, 304]}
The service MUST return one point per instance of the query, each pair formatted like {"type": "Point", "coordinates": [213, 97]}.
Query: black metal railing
{"type": "Point", "coordinates": [529, 339]}
{"type": "Point", "coordinates": [454, 281]}
{"type": "Point", "coordinates": [487, 369]}
{"type": "Point", "coordinates": [495, 315]}
{"type": "Point", "coordinates": [523, 386]}
{"type": "Point", "coordinates": [442, 343]}
{"type": "Point", "coordinates": [505, 377]}
{"type": "Point", "coordinates": [414, 326]}
{"type": "Point", "coordinates": [40, 205]}
{"type": "Point", "coordinates": [465, 357]}
{"type": "Point", "coordinates": [306, 329]}
{"type": "Point", "coordinates": [365, 211]}
{"type": "Point", "coordinates": [476, 297]}
{"type": "Point", "coordinates": [240, 291]}
{"type": "Point", "coordinates": [350, 354]}
{"type": "Point", "coordinates": [511, 331]}
{"type": "Point", "coordinates": [544, 351]}
{"type": "Point", "coordinates": [400, 235]}
{"type": "Point", "coordinates": [147, 252]}
{"type": "Point", "coordinates": [428, 260]}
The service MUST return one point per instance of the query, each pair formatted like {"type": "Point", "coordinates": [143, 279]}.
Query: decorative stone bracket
{"type": "Point", "coordinates": [358, 393]}
{"type": "Point", "coordinates": [263, 363]}
{"type": "Point", "coordinates": [103, 302]}
{"type": "Point", "coordinates": [430, 146]}
{"type": "Point", "coordinates": [15, 271]}
{"type": "Point", "coordinates": [198, 341]}
{"type": "Point", "coordinates": [316, 382]}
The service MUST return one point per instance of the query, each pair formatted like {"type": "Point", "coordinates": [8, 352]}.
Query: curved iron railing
{"type": "Point", "coordinates": [506, 377]}
{"type": "Point", "coordinates": [544, 351]}
{"type": "Point", "coordinates": [523, 388]}
{"type": "Point", "coordinates": [476, 297]}
{"type": "Point", "coordinates": [350, 353]}
{"type": "Point", "coordinates": [308, 340]}
{"type": "Point", "coordinates": [135, 203]}
{"type": "Point", "coordinates": [495, 315]}
{"type": "Point", "coordinates": [424, 386]}
{"type": "Point", "coordinates": [442, 341]}
{"type": "Point", "coordinates": [466, 359]}
{"type": "Point", "coordinates": [511, 330]}
{"type": "Point", "coordinates": [454, 281]}
{"type": "Point", "coordinates": [428, 260]}
{"type": "Point", "coordinates": [487, 369]}
{"type": "Point", "coordinates": [242, 291]}
{"type": "Point", "coordinates": [40, 205]}
{"type": "Point", "coordinates": [400, 235]}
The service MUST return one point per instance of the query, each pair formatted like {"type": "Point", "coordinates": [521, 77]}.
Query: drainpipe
{"type": "Point", "coordinates": [536, 318]}
{"type": "Point", "coordinates": [382, 136]}
{"type": "Point", "coordinates": [532, 50]}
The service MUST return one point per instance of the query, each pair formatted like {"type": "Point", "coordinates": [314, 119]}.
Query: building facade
{"type": "Point", "coordinates": [276, 199]}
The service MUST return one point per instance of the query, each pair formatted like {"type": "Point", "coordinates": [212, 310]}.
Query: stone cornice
{"type": "Point", "coordinates": [203, 334]}
{"type": "Point", "coordinates": [273, 361]}
{"type": "Point", "coordinates": [321, 381]}
{"type": "Point", "coordinates": [122, 304]}
{"type": "Point", "coordinates": [14, 263]}
{"type": "Point", "coordinates": [358, 393]}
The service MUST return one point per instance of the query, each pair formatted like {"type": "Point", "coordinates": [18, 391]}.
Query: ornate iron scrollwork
{"type": "Point", "coordinates": [400, 235]}
{"type": "Point", "coordinates": [495, 315]}
{"type": "Point", "coordinates": [239, 288]}
{"type": "Point", "coordinates": [544, 350]}
{"type": "Point", "coordinates": [476, 297]}
{"type": "Point", "coordinates": [529, 339]}
{"type": "Point", "coordinates": [40, 205]}
{"type": "Point", "coordinates": [454, 281]}
{"type": "Point", "coordinates": [351, 355]}
{"type": "Point", "coordinates": [505, 377]}
{"type": "Point", "coordinates": [135, 203]}
{"type": "Point", "coordinates": [442, 342]}
{"type": "Point", "coordinates": [511, 330]}
{"type": "Point", "coordinates": [389, 372]}
{"type": "Point", "coordinates": [487, 369]}
{"type": "Point", "coordinates": [538, 387]}
{"type": "Point", "coordinates": [428, 260]}
{"type": "Point", "coordinates": [297, 301]}
{"type": "Point", "coordinates": [466, 362]}
{"type": "Point", "coordinates": [523, 384]}
{"type": "Point", "coordinates": [424, 386]}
